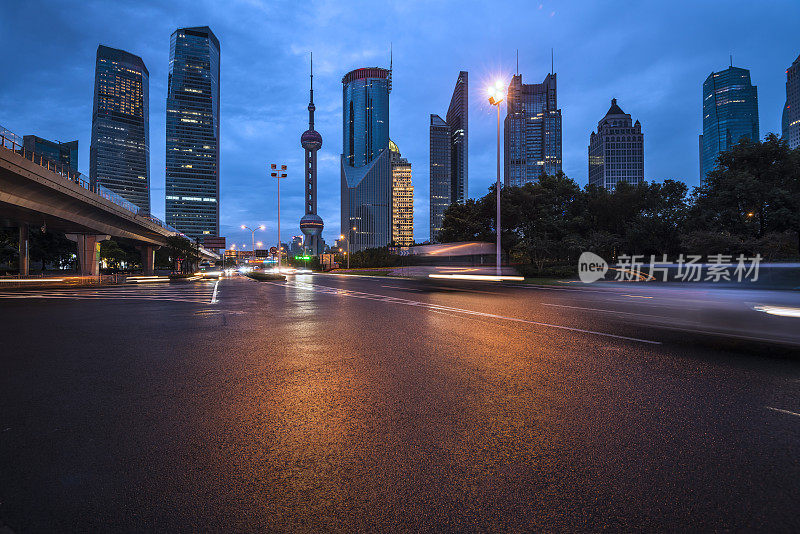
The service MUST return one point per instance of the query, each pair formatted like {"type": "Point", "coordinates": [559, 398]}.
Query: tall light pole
{"type": "Point", "coordinates": [253, 233]}
{"type": "Point", "coordinates": [496, 96]}
{"type": "Point", "coordinates": [349, 235]}
{"type": "Point", "coordinates": [278, 172]}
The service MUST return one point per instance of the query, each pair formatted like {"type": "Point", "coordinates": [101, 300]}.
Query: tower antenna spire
{"type": "Point", "coordinates": [552, 61]}
{"type": "Point", "coordinates": [517, 61]}
{"type": "Point", "coordinates": [731, 60]}
{"type": "Point", "coordinates": [390, 66]}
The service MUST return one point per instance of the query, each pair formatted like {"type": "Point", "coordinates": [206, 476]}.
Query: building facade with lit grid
{"type": "Point", "coordinates": [440, 183]}
{"type": "Point", "coordinates": [790, 123]}
{"type": "Point", "coordinates": [119, 155]}
{"type": "Point", "coordinates": [63, 153]}
{"type": "Point", "coordinates": [616, 150]}
{"type": "Point", "coordinates": [366, 180]}
{"type": "Point", "coordinates": [449, 141]}
{"type": "Point", "coordinates": [532, 131]}
{"type": "Point", "coordinates": [402, 199]}
{"type": "Point", "coordinates": [730, 114]}
{"type": "Point", "coordinates": [193, 132]}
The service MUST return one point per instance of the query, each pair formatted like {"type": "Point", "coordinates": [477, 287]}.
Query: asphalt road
{"type": "Point", "coordinates": [361, 404]}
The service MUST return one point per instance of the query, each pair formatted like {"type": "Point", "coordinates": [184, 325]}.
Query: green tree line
{"type": "Point", "coordinates": [750, 204]}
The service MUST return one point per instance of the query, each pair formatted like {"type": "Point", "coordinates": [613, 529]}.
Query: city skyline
{"type": "Point", "coordinates": [246, 195]}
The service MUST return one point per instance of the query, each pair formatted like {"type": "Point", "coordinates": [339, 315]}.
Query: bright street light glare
{"type": "Point", "coordinates": [491, 91]}
{"type": "Point", "coordinates": [499, 85]}
{"type": "Point", "coordinates": [243, 227]}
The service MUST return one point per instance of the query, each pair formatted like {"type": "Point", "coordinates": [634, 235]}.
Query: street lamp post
{"type": "Point", "coordinates": [349, 236]}
{"type": "Point", "coordinates": [278, 172]}
{"type": "Point", "coordinates": [496, 96]}
{"type": "Point", "coordinates": [253, 234]}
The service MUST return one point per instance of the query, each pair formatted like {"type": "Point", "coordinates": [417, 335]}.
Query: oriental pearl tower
{"type": "Point", "coordinates": [311, 223]}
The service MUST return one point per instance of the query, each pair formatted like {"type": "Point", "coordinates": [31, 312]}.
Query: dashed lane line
{"type": "Point", "coordinates": [395, 300]}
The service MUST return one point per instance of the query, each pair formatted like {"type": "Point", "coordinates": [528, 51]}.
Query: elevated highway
{"type": "Point", "coordinates": [38, 193]}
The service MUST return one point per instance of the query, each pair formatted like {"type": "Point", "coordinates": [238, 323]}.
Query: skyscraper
{"type": "Point", "coordinates": [440, 189]}
{"type": "Point", "coordinates": [402, 199]}
{"type": "Point", "coordinates": [311, 224]}
{"type": "Point", "coordinates": [119, 156]}
{"type": "Point", "coordinates": [449, 155]}
{"type": "Point", "coordinates": [64, 153]}
{"type": "Point", "coordinates": [366, 181]}
{"type": "Point", "coordinates": [730, 113]}
{"type": "Point", "coordinates": [790, 124]}
{"type": "Point", "coordinates": [532, 131]}
{"type": "Point", "coordinates": [616, 151]}
{"type": "Point", "coordinates": [192, 179]}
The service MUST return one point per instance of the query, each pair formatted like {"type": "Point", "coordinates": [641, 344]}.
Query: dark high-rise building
{"type": "Point", "coordinates": [440, 188]}
{"type": "Point", "coordinates": [366, 178]}
{"type": "Point", "coordinates": [311, 224]}
{"type": "Point", "coordinates": [730, 114]}
{"type": "Point", "coordinates": [192, 180]}
{"type": "Point", "coordinates": [63, 153]}
{"type": "Point", "coordinates": [532, 131]}
{"type": "Point", "coordinates": [790, 124]}
{"type": "Point", "coordinates": [449, 179]}
{"type": "Point", "coordinates": [616, 151]}
{"type": "Point", "coordinates": [119, 157]}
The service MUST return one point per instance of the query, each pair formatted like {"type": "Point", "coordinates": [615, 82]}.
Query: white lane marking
{"type": "Point", "coordinates": [396, 300]}
{"type": "Point", "coordinates": [604, 310]}
{"type": "Point", "coordinates": [782, 411]}
{"type": "Point", "coordinates": [443, 313]}
{"type": "Point", "coordinates": [403, 288]}
{"type": "Point", "coordinates": [214, 296]}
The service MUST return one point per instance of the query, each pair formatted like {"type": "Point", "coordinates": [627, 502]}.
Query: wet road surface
{"type": "Point", "coordinates": [362, 404]}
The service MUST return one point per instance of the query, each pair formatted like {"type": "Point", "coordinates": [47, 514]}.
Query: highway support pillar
{"type": "Point", "coordinates": [88, 252]}
{"type": "Point", "coordinates": [24, 252]}
{"type": "Point", "coordinates": [148, 258]}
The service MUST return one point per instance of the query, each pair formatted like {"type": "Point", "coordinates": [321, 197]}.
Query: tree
{"type": "Point", "coordinates": [180, 249]}
{"type": "Point", "coordinates": [111, 252]}
{"type": "Point", "coordinates": [754, 191]}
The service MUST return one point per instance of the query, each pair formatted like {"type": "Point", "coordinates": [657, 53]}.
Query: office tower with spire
{"type": "Point", "coordinates": [366, 180]}
{"type": "Point", "coordinates": [532, 131]}
{"type": "Point", "coordinates": [119, 155]}
{"type": "Point", "coordinates": [730, 114]}
{"type": "Point", "coordinates": [790, 123]}
{"type": "Point", "coordinates": [192, 172]}
{"type": "Point", "coordinates": [616, 150]}
{"type": "Point", "coordinates": [402, 199]}
{"type": "Point", "coordinates": [449, 139]}
{"type": "Point", "coordinates": [311, 224]}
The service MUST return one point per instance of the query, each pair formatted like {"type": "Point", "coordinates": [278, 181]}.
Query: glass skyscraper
{"type": "Point", "coordinates": [192, 180]}
{"type": "Point", "coordinates": [366, 180]}
{"type": "Point", "coordinates": [790, 124]}
{"type": "Point", "coordinates": [730, 113]}
{"type": "Point", "coordinates": [440, 197]}
{"type": "Point", "coordinates": [119, 156]}
{"type": "Point", "coordinates": [449, 155]}
{"type": "Point", "coordinates": [616, 151]}
{"type": "Point", "coordinates": [532, 131]}
{"type": "Point", "coordinates": [64, 153]}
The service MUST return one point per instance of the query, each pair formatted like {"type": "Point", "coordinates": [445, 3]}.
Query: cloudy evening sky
{"type": "Point", "coordinates": [651, 55]}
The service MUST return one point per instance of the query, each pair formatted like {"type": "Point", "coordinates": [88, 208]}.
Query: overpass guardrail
{"type": "Point", "coordinates": [11, 141]}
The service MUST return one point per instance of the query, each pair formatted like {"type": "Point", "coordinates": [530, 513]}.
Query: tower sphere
{"type": "Point", "coordinates": [311, 224]}
{"type": "Point", "coordinates": [311, 140]}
